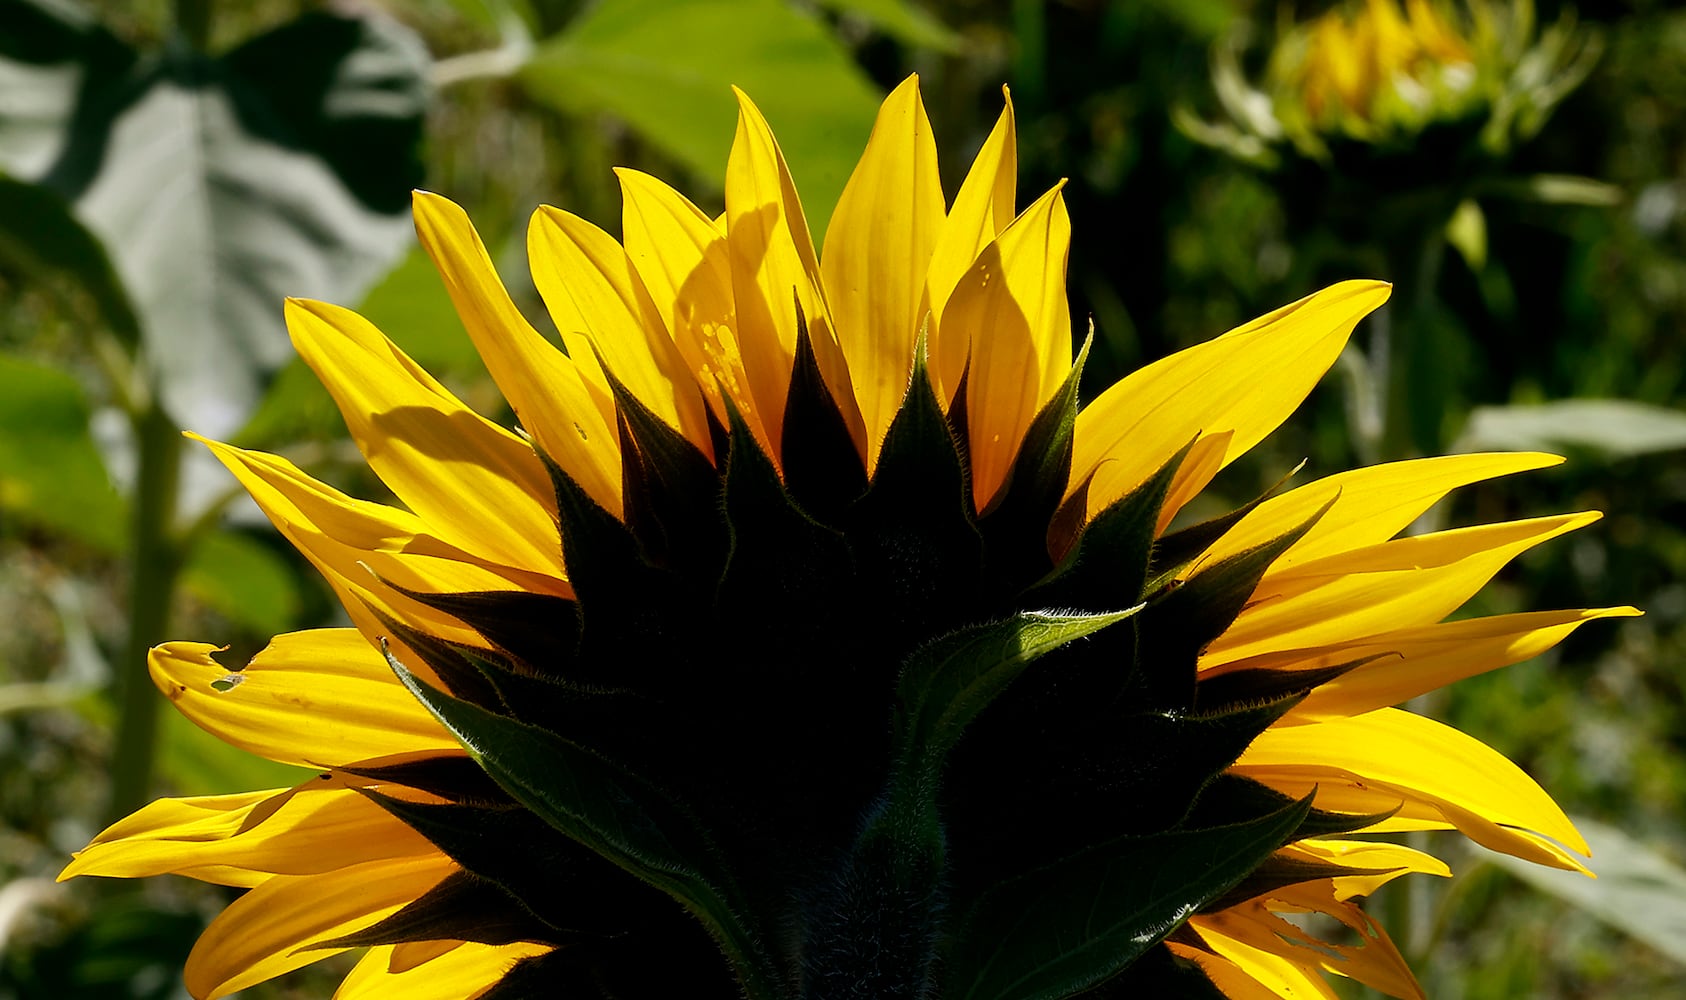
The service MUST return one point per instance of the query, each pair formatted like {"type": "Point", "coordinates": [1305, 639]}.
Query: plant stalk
{"type": "Point", "coordinates": [155, 565]}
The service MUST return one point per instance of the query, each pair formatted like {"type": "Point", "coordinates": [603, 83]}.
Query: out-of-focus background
{"type": "Point", "coordinates": [169, 171]}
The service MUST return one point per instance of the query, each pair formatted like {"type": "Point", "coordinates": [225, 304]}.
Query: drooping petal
{"type": "Point", "coordinates": [1415, 661]}
{"type": "Point", "coordinates": [1397, 753]}
{"type": "Point", "coordinates": [1247, 381]}
{"type": "Point", "coordinates": [1374, 961]}
{"type": "Point", "coordinates": [1011, 305]}
{"type": "Point", "coordinates": [462, 973]}
{"type": "Point", "coordinates": [1403, 583]}
{"type": "Point", "coordinates": [571, 419]}
{"type": "Point", "coordinates": [1371, 505]}
{"type": "Point", "coordinates": [190, 820]}
{"type": "Point", "coordinates": [590, 287]}
{"type": "Point", "coordinates": [354, 542]}
{"type": "Point", "coordinates": [877, 250]}
{"type": "Point", "coordinates": [320, 826]}
{"type": "Point", "coordinates": [477, 485]}
{"type": "Point", "coordinates": [1286, 979]}
{"type": "Point", "coordinates": [775, 270]}
{"type": "Point", "coordinates": [1228, 977]}
{"type": "Point", "coordinates": [984, 207]}
{"type": "Point", "coordinates": [267, 931]}
{"type": "Point", "coordinates": [1389, 860]}
{"type": "Point", "coordinates": [319, 698]}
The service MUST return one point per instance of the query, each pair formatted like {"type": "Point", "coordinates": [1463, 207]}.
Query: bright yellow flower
{"type": "Point", "coordinates": [780, 526]}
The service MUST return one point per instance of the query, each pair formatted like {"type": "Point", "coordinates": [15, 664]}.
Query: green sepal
{"type": "Point", "coordinates": [1237, 688]}
{"type": "Point", "coordinates": [531, 629]}
{"type": "Point", "coordinates": [669, 489]}
{"type": "Point", "coordinates": [611, 811]}
{"type": "Point", "coordinates": [1230, 797]}
{"type": "Point", "coordinates": [874, 930]}
{"type": "Point", "coordinates": [945, 685]}
{"type": "Point", "coordinates": [630, 610]}
{"type": "Point", "coordinates": [1107, 567]}
{"type": "Point", "coordinates": [551, 878]}
{"type": "Point", "coordinates": [450, 661]}
{"type": "Point", "coordinates": [915, 541]}
{"type": "Point", "coordinates": [1181, 547]}
{"type": "Point", "coordinates": [461, 907]}
{"type": "Point", "coordinates": [454, 777]}
{"type": "Point", "coordinates": [822, 468]}
{"type": "Point", "coordinates": [1015, 524]}
{"type": "Point", "coordinates": [1159, 975]}
{"type": "Point", "coordinates": [1076, 923]}
{"type": "Point", "coordinates": [1178, 625]}
{"type": "Point", "coordinates": [785, 572]}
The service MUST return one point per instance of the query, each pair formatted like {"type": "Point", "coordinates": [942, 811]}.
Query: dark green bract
{"type": "Point", "coordinates": [823, 736]}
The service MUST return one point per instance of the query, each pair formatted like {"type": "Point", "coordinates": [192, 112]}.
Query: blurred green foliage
{"type": "Point", "coordinates": [1566, 281]}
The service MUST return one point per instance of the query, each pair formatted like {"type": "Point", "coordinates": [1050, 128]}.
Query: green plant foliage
{"type": "Point", "coordinates": [667, 68]}
{"type": "Point", "coordinates": [220, 185]}
{"type": "Point", "coordinates": [1609, 428]}
{"type": "Point", "coordinates": [51, 474]}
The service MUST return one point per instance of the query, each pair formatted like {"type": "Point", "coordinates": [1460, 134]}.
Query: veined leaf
{"type": "Point", "coordinates": [221, 185]}
{"type": "Point", "coordinates": [1073, 924]}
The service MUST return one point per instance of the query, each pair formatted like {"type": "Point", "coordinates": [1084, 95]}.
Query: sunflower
{"type": "Point", "coordinates": [811, 641]}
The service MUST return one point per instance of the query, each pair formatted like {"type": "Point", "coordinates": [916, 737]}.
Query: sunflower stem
{"type": "Point", "coordinates": [155, 564]}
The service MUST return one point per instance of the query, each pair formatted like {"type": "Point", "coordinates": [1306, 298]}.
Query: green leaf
{"type": "Point", "coordinates": [244, 580]}
{"type": "Point", "coordinates": [221, 185]}
{"type": "Point", "coordinates": [609, 810]}
{"type": "Point", "coordinates": [1560, 189]}
{"type": "Point", "coordinates": [1614, 428]}
{"type": "Point", "coordinates": [51, 473]}
{"type": "Point", "coordinates": [1066, 927]}
{"type": "Point", "coordinates": [666, 67]}
{"type": "Point", "coordinates": [39, 234]}
{"type": "Point", "coordinates": [1637, 890]}
{"type": "Point", "coordinates": [902, 21]}
{"type": "Point", "coordinates": [945, 685]}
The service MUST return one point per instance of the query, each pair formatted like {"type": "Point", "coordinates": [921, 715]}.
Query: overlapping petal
{"type": "Point", "coordinates": [1246, 381]}
{"type": "Point", "coordinates": [463, 972]}
{"type": "Point", "coordinates": [270, 929]}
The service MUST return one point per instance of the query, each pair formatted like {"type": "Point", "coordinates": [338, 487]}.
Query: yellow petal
{"type": "Point", "coordinates": [462, 973]}
{"type": "Point", "coordinates": [1406, 582]}
{"type": "Point", "coordinates": [1374, 961]}
{"type": "Point", "coordinates": [774, 269]}
{"type": "Point", "coordinates": [1246, 381]}
{"type": "Point", "coordinates": [1286, 979]}
{"type": "Point", "coordinates": [1204, 460]}
{"type": "Point", "coordinates": [1226, 975]}
{"type": "Point", "coordinates": [195, 819]}
{"type": "Point", "coordinates": [590, 287]}
{"type": "Point", "coordinates": [354, 542]}
{"type": "Point", "coordinates": [266, 932]}
{"type": "Point", "coordinates": [479, 486]}
{"type": "Point", "coordinates": [1012, 306]}
{"type": "Point", "coordinates": [683, 260]}
{"type": "Point", "coordinates": [1415, 661]}
{"type": "Point", "coordinates": [1370, 506]}
{"type": "Point", "coordinates": [983, 208]}
{"type": "Point", "coordinates": [415, 954]}
{"type": "Point", "coordinates": [317, 827]}
{"type": "Point", "coordinates": [1394, 752]}
{"type": "Point", "coordinates": [320, 698]}
{"type": "Point", "coordinates": [877, 250]}
{"type": "Point", "coordinates": [1392, 861]}
{"type": "Point", "coordinates": [571, 419]}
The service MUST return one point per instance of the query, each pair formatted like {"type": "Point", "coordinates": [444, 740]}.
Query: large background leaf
{"type": "Point", "coordinates": [222, 185]}
{"type": "Point", "coordinates": [667, 67]}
